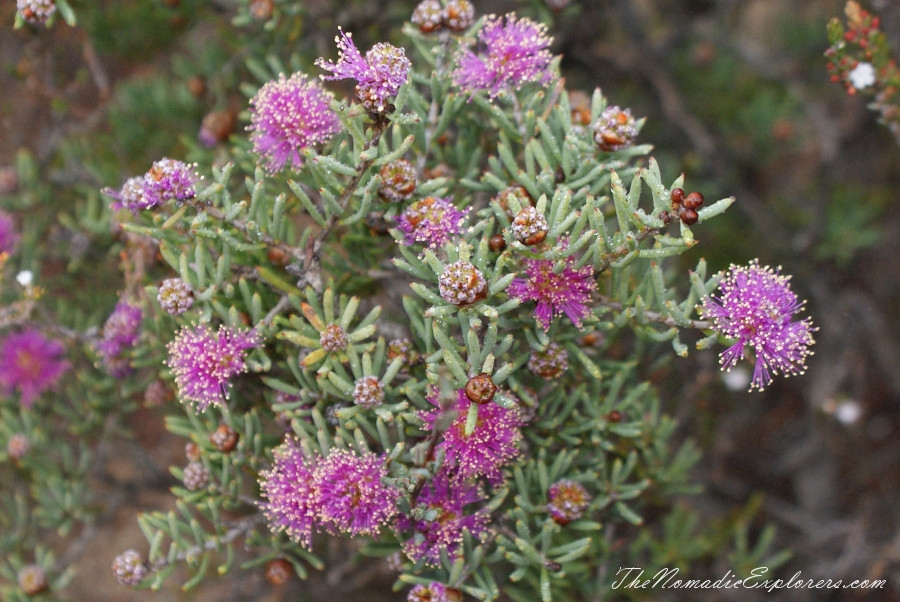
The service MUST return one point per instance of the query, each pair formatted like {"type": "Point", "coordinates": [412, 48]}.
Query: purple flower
{"type": "Point", "coordinates": [568, 292]}
{"type": "Point", "coordinates": [288, 116]}
{"type": "Point", "coordinates": [9, 238]}
{"type": "Point", "coordinates": [755, 306]}
{"type": "Point", "coordinates": [130, 196]}
{"type": "Point", "coordinates": [30, 363]}
{"type": "Point", "coordinates": [203, 362]}
{"type": "Point", "coordinates": [291, 494]}
{"type": "Point", "coordinates": [491, 446]}
{"type": "Point", "coordinates": [379, 75]}
{"type": "Point", "coordinates": [433, 592]}
{"type": "Point", "coordinates": [120, 333]}
{"type": "Point", "coordinates": [168, 180]}
{"type": "Point", "coordinates": [516, 52]}
{"type": "Point", "coordinates": [445, 500]}
{"type": "Point", "coordinates": [432, 221]}
{"type": "Point", "coordinates": [351, 494]}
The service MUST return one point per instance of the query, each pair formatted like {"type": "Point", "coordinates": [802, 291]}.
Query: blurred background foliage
{"type": "Point", "coordinates": [736, 96]}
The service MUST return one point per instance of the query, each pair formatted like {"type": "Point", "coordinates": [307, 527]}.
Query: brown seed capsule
{"type": "Point", "coordinates": [689, 217]}
{"type": "Point", "coordinates": [261, 9]}
{"type": "Point", "coordinates": [216, 127]}
{"type": "Point", "coordinates": [278, 256]}
{"type": "Point", "coordinates": [591, 339]}
{"type": "Point", "coordinates": [453, 595]}
{"type": "Point", "coordinates": [693, 201]}
{"type": "Point", "coordinates": [530, 227]}
{"type": "Point", "coordinates": [614, 416]}
{"type": "Point", "coordinates": [497, 244]}
{"type": "Point", "coordinates": [677, 196]}
{"type": "Point", "coordinates": [196, 86]}
{"type": "Point", "coordinates": [278, 571]}
{"type": "Point", "coordinates": [521, 195]}
{"type": "Point", "coordinates": [480, 389]}
{"type": "Point", "coordinates": [192, 451]}
{"type": "Point", "coordinates": [32, 579]}
{"type": "Point", "coordinates": [225, 438]}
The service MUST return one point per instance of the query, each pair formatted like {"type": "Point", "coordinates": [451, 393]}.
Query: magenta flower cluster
{"type": "Point", "coordinates": [433, 592]}
{"type": "Point", "coordinates": [446, 500]}
{"type": "Point", "coordinates": [120, 333]}
{"type": "Point", "coordinates": [432, 221]}
{"type": "Point", "coordinates": [287, 116]}
{"type": "Point", "coordinates": [168, 180]}
{"type": "Point", "coordinates": [516, 51]}
{"type": "Point", "coordinates": [204, 362]}
{"type": "Point", "coordinates": [755, 306]}
{"type": "Point", "coordinates": [343, 491]}
{"type": "Point", "coordinates": [30, 363]}
{"type": "Point", "coordinates": [492, 445]}
{"type": "Point", "coordinates": [567, 292]}
{"type": "Point", "coordinates": [379, 75]}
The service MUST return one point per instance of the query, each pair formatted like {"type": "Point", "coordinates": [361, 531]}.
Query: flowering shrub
{"type": "Point", "coordinates": [861, 59]}
{"type": "Point", "coordinates": [457, 200]}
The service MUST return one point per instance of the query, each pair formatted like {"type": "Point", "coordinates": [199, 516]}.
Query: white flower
{"type": "Point", "coordinates": [862, 76]}
{"type": "Point", "coordinates": [25, 277]}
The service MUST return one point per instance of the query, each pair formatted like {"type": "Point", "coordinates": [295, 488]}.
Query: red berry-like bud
{"type": "Point", "coordinates": [278, 571]}
{"type": "Point", "coordinates": [497, 244]}
{"type": "Point", "coordinates": [689, 217]}
{"type": "Point", "coordinates": [480, 389]}
{"type": "Point", "coordinates": [677, 196]}
{"type": "Point", "coordinates": [614, 416]}
{"type": "Point", "coordinates": [693, 201]}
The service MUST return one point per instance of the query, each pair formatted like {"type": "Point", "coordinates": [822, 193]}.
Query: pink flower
{"type": "Point", "coordinates": [30, 363]}
{"type": "Point", "coordinates": [168, 180]}
{"type": "Point", "coordinates": [491, 445]}
{"type": "Point", "coordinates": [288, 116]}
{"type": "Point", "coordinates": [351, 494]}
{"type": "Point", "coordinates": [445, 500]}
{"type": "Point", "coordinates": [120, 333]}
{"type": "Point", "coordinates": [516, 52]}
{"type": "Point", "coordinates": [291, 494]}
{"type": "Point", "coordinates": [756, 306]}
{"type": "Point", "coordinates": [379, 75]}
{"type": "Point", "coordinates": [567, 292]}
{"type": "Point", "coordinates": [432, 221]}
{"type": "Point", "coordinates": [203, 362]}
